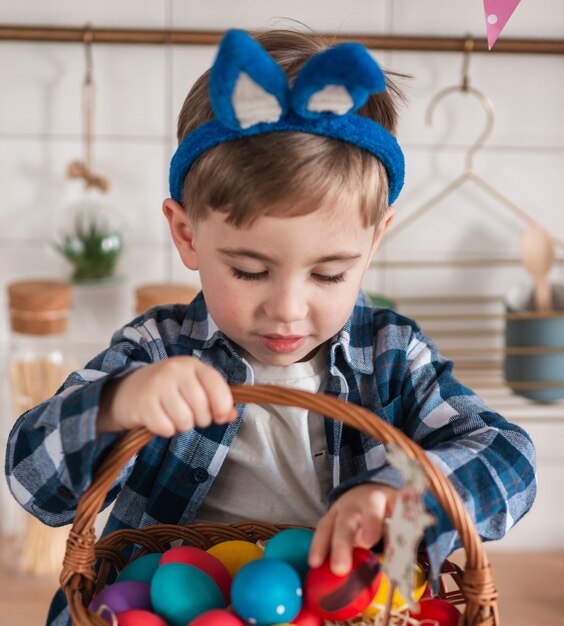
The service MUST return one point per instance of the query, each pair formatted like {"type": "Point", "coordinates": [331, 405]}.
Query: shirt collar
{"type": "Point", "coordinates": [355, 340]}
{"type": "Point", "coordinates": [199, 328]}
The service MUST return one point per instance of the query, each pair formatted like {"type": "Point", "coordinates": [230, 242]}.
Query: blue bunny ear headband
{"type": "Point", "coordinates": [250, 95]}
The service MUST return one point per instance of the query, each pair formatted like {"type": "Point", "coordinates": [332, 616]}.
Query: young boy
{"type": "Point", "coordinates": [280, 196]}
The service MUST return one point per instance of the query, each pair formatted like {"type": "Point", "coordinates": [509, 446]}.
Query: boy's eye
{"type": "Point", "coordinates": [241, 275]}
{"type": "Point", "coordinates": [331, 278]}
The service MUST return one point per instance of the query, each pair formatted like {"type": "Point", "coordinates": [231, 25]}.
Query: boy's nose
{"type": "Point", "coordinates": [286, 306]}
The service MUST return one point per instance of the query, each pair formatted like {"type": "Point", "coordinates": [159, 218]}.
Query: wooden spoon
{"type": "Point", "coordinates": [537, 254]}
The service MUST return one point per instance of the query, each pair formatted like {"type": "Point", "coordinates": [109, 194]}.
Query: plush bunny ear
{"type": "Point", "coordinates": [247, 86]}
{"type": "Point", "coordinates": [338, 80]}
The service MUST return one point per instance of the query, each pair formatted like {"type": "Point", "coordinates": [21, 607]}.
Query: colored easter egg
{"type": "Point", "coordinates": [217, 617]}
{"type": "Point", "coordinates": [141, 569]}
{"type": "Point", "coordinates": [266, 591]}
{"type": "Point", "coordinates": [291, 545]}
{"type": "Point", "coordinates": [442, 612]}
{"type": "Point", "coordinates": [320, 582]}
{"type": "Point", "coordinates": [138, 617]}
{"type": "Point", "coordinates": [235, 553]}
{"type": "Point", "coordinates": [181, 592]}
{"type": "Point", "coordinates": [201, 559]}
{"type": "Point", "coordinates": [398, 602]}
{"type": "Point", "coordinates": [128, 594]}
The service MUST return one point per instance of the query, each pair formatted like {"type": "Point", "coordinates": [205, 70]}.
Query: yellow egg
{"type": "Point", "coordinates": [379, 601]}
{"type": "Point", "coordinates": [235, 553]}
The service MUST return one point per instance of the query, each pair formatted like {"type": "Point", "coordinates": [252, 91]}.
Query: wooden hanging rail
{"type": "Point", "coordinates": [65, 34]}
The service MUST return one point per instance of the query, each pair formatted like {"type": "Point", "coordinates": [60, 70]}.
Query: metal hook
{"type": "Point", "coordinates": [465, 88]}
{"type": "Point", "coordinates": [468, 47]}
{"type": "Point", "coordinates": [88, 38]}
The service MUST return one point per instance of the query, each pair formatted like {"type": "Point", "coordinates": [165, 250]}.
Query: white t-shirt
{"type": "Point", "coordinates": [277, 469]}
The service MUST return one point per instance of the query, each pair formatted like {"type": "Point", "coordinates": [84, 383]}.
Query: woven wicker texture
{"type": "Point", "coordinates": [80, 581]}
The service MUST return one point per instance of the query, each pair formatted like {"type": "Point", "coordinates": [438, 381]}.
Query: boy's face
{"type": "Point", "coordinates": [280, 287]}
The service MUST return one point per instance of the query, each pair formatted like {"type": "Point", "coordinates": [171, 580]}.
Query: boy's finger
{"type": "Point", "coordinates": [158, 422]}
{"type": "Point", "coordinates": [196, 397]}
{"type": "Point", "coordinates": [230, 417]}
{"type": "Point", "coordinates": [373, 522]}
{"type": "Point", "coordinates": [371, 532]}
{"type": "Point", "coordinates": [219, 396]}
{"type": "Point", "coordinates": [321, 542]}
{"type": "Point", "coordinates": [178, 411]}
{"type": "Point", "coordinates": [342, 544]}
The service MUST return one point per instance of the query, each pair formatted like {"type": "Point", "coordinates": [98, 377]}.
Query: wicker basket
{"type": "Point", "coordinates": [80, 581]}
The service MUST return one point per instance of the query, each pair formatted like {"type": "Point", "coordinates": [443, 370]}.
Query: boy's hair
{"type": "Point", "coordinates": [285, 173]}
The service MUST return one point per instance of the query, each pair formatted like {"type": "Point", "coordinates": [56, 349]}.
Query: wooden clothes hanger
{"type": "Point", "coordinates": [468, 175]}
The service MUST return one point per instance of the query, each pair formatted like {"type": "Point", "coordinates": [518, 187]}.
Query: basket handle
{"type": "Point", "coordinates": [478, 586]}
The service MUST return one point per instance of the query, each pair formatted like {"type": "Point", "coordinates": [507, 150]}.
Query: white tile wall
{"type": "Point", "coordinates": [369, 16]}
{"type": "Point", "coordinates": [45, 90]}
{"type": "Point", "coordinates": [187, 64]}
{"type": "Point", "coordinates": [526, 92]}
{"type": "Point", "coordinates": [543, 18]}
{"type": "Point", "coordinates": [140, 90]}
{"type": "Point", "coordinates": [108, 13]}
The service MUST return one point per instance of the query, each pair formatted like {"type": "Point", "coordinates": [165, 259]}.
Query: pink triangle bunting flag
{"type": "Point", "coordinates": [497, 13]}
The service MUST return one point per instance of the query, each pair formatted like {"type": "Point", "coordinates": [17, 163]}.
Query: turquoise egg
{"type": "Point", "coordinates": [181, 592]}
{"type": "Point", "coordinates": [141, 569]}
{"type": "Point", "coordinates": [267, 591]}
{"type": "Point", "coordinates": [291, 545]}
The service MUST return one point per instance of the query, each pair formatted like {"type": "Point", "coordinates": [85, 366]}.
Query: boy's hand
{"type": "Point", "coordinates": [356, 520]}
{"type": "Point", "coordinates": [167, 397]}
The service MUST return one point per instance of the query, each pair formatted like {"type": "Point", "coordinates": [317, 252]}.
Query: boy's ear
{"type": "Point", "coordinates": [382, 227]}
{"type": "Point", "coordinates": [182, 232]}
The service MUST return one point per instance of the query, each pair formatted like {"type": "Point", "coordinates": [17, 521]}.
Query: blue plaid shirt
{"type": "Point", "coordinates": [379, 360]}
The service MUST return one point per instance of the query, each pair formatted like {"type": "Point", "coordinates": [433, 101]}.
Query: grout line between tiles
{"type": "Point", "coordinates": [168, 144]}
{"type": "Point", "coordinates": [147, 139]}
{"type": "Point", "coordinates": [168, 141]}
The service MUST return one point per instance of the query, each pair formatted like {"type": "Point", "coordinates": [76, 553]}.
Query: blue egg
{"type": "Point", "coordinates": [142, 569]}
{"type": "Point", "coordinates": [291, 545]}
{"type": "Point", "coordinates": [267, 591]}
{"type": "Point", "coordinates": [181, 592]}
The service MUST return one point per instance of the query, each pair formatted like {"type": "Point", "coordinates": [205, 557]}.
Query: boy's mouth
{"type": "Point", "coordinates": [283, 344]}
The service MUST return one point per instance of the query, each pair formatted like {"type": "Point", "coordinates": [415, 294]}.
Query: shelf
{"type": "Point", "coordinates": [449, 321]}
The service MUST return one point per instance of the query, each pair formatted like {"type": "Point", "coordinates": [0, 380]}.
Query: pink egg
{"type": "Point", "coordinates": [204, 561]}
{"type": "Point", "coordinates": [217, 617]}
{"type": "Point", "coordinates": [138, 617]}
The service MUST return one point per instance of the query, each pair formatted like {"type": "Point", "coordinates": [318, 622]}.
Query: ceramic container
{"type": "Point", "coordinates": [534, 346]}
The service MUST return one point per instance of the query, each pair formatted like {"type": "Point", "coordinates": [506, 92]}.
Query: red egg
{"type": "Point", "coordinates": [138, 617]}
{"type": "Point", "coordinates": [443, 612]}
{"type": "Point", "coordinates": [320, 582]}
{"type": "Point", "coordinates": [201, 559]}
{"type": "Point", "coordinates": [306, 617]}
{"type": "Point", "coordinates": [217, 617]}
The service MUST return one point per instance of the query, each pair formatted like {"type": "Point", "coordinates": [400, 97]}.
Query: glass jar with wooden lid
{"type": "Point", "coordinates": [156, 294]}
{"type": "Point", "coordinates": [39, 351]}
{"type": "Point", "coordinates": [39, 360]}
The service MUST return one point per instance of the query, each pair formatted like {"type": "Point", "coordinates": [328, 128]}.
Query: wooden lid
{"type": "Point", "coordinates": [154, 294]}
{"type": "Point", "coordinates": [39, 307]}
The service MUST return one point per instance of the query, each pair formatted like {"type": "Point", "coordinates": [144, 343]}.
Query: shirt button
{"type": "Point", "coordinates": [65, 492]}
{"type": "Point", "coordinates": [200, 474]}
